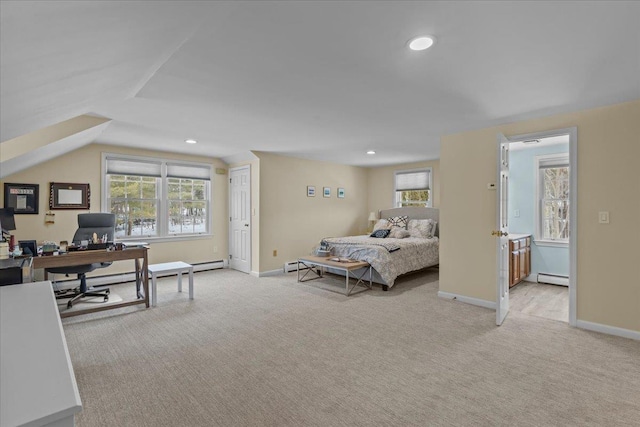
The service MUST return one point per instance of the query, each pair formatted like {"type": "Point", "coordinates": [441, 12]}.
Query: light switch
{"type": "Point", "coordinates": [516, 213]}
{"type": "Point", "coordinates": [603, 217]}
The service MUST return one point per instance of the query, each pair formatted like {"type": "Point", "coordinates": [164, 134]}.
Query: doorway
{"type": "Point", "coordinates": [240, 218]}
{"type": "Point", "coordinates": [537, 260]}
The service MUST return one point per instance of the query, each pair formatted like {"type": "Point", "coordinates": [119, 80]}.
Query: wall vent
{"type": "Point", "coordinates": [553, 279]}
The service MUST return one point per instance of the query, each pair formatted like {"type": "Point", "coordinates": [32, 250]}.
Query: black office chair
{"type": "Point", "coordinates": [88, 223]}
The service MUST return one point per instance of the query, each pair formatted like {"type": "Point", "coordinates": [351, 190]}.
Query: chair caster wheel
{"type": "Point", "coordinates": [69, 304]}
{"type": "Point", "coordinates": [106, 298]}
{"type": "Point", "coordinates": [108, 291]}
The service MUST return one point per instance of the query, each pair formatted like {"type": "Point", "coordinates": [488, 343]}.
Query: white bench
{"type": "Point", "coordinates": [170, 267]}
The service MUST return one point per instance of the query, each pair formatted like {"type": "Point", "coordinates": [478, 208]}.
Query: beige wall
{"type": "Point", "coordinates": [608, 290]}
{"type": "Point", "coordinates": [84, 166]}
{"type": "Point", "coordinates": [381, 184]}
{"type": "Point", "coordinates": [291, 222]}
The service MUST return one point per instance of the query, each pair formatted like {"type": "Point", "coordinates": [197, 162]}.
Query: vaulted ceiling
{"type": "Point", "coordinates": [323, 80]}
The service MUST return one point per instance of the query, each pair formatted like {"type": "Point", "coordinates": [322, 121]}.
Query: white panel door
{"type": "Point", "coordinates": [240, 219]}
{"type": "Point", "coordinates": [502, 231]}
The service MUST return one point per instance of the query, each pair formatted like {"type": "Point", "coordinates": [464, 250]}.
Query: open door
{"type": "Point", "coordinates": [502, 231]}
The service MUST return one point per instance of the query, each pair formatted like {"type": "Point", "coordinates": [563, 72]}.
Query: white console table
{"type": "Point", "coordinates": [38, 387]}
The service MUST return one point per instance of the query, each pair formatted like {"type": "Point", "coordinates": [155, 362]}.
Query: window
{"type": "Point", "coordinates": [413, 188]}
{"type": "Point", "coordinates": [553, 198]}
{"type": "Point", "coordinates": [155, 197]}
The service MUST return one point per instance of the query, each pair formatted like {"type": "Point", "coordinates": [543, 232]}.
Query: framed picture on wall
{"type": "Point", "coordinates": [326, 191]}
{"type": "Point", "coordinates": [340, 193]}
{"type": "Point", "coordinates": [311, 191]}
{"type": "Point", "coordinates": [23, 198]}
{"type": "Point", "coordinates": [64, 195]}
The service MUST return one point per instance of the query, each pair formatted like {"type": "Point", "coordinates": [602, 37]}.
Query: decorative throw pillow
{"type": "Point", "coordinates": [382, 223]}
{"type": "Point", "coordinates": [399, 233]}
{"type": "Point", "coordinates": [381, 234]}
{"type": "Point", "coordinates": [398, 221]}
{"type": "Point", "coordinates": [433, 228]}
{"type": "Point", "coordinates": [421, 228]}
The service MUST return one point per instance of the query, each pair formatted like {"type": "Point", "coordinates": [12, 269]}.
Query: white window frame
{"type": "Point", "coordinates": [429, 170]}
{"type": "Point", "coordinates": [554, 160]}
{"type": "Point", "coordinates": [163, 203]}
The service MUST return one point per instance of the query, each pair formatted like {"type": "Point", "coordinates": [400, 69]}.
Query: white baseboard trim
{"type": "Point", "coordinates": [114, 279]}
{"type": "Point", "coordinates": [469, 300]}
{"type": "Point", "coordinates": [610, 330]}
{"type": "Point", "coordinates": [254, 274]}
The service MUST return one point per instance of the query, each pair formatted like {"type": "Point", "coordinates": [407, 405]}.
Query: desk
{"type": "Point", "coordinates": [38, 387]}
{"type": "Point", "coordinates": [15, 270]}
{"type": "Point", "coordinates": [89, 257]}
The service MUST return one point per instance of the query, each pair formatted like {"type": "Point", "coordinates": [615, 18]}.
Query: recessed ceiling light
{"type": "Point", "coordinates": [371, 152]}
{"type": "Point", "coordinates": [421, 43]}
{"type": "Point", "coordinates": [190, 141]}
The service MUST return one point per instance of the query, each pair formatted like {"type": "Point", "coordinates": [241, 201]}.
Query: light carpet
{"type": "Point", "coordinates": [273, 352]}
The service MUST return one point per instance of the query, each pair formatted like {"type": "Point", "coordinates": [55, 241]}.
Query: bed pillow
{"type": "Point", "coordinates": [398, 221]}
{"type": "Point", "coordinates": [433, 229]}
{"type": "Point", "coordinates": [381, 234]}
{"type": "Point", "coordinates": [399, 233]}
{"type": "Point", "coordinates": [421, 228]}
{"type": "Point", "coordinates": [382, 223]}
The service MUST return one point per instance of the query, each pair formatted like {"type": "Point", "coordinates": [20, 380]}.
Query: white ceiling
{"type": "Point", "coordinates": [321, 80]}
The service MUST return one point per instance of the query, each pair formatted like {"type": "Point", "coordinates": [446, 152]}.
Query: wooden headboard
{"type": "Point", "coordinates": [414, 212]}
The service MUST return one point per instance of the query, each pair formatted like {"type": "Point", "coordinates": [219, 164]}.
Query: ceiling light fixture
{"type": "Point", "coordinates": [421, 43]}
{"type": "Point", "coordinates": [190, 141]}
{"type": "Point", "coordinates": [531, 141]}
{"type": "Point", "coordinates": [371, 152]}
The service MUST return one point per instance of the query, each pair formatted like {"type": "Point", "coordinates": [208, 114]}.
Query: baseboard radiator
{"type": "Point", "coordinates": [114, 279]}
{"type": "Point", "coordinates": [553, 279]}
{"type": "Point", "coordinates": [290, 266]}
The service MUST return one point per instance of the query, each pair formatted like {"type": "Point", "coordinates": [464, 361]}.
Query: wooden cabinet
{"type": "Point", "coordinates": [520, 258]}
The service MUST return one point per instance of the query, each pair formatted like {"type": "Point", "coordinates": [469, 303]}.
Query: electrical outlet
{"type": "Point", "coordinates": [603, 217]}
{"type": "Point", "coordinates": [516, 213]}
{"type": "Point", "coordinates": [275, 252]}
{"type": "Point", "coordinates": [215, 249]}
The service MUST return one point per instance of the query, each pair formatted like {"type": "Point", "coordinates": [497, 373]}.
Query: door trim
{"type": "Point", "coordinates": [573, 203]}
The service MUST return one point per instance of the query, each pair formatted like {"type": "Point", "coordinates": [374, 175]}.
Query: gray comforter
{"type": "Point", "coordinates": [413, 253]}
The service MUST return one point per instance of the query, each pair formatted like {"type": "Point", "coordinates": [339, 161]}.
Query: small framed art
{"type": "Point", "coordinates": [326, 191]}
{"type": "Point", "coordinates": [340, 193]}
{"type": "Point", "coordinates": [23, 198]}
{"type": "Point", "coordinates": [311, 191]}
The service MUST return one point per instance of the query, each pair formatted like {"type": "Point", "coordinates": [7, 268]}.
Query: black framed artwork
{"type": "Point", "coordinates": [64, 195]}
{"type": "Point", "coordinates": [23, 198]}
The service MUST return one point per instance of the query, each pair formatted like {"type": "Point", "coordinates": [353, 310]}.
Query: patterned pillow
{"type": "Point", "coordinates": [399, 233]}
{"type": "Point", "coordinates": [381, 234]}
{"type": "Point", "coordinates": [433, 229]}
{"type": "Point", "coordinates": [398, 221]}
{"type": "Point", "coordinates": [421, 228]}
{"type": "Point", "coordinates": [382, 223]}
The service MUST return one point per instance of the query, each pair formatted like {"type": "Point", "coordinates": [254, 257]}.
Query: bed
{"type": "Point", "coordinates": [392, 257]}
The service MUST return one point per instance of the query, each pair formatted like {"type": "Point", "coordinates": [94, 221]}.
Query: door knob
{"type": "Point", "coordinates": [246, 225]}
{"type": "Point", "coordinates": [499, 233]}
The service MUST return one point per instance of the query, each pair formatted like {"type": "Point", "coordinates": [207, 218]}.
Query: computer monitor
{"type": "Point", "coordinates": [7, 220]}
